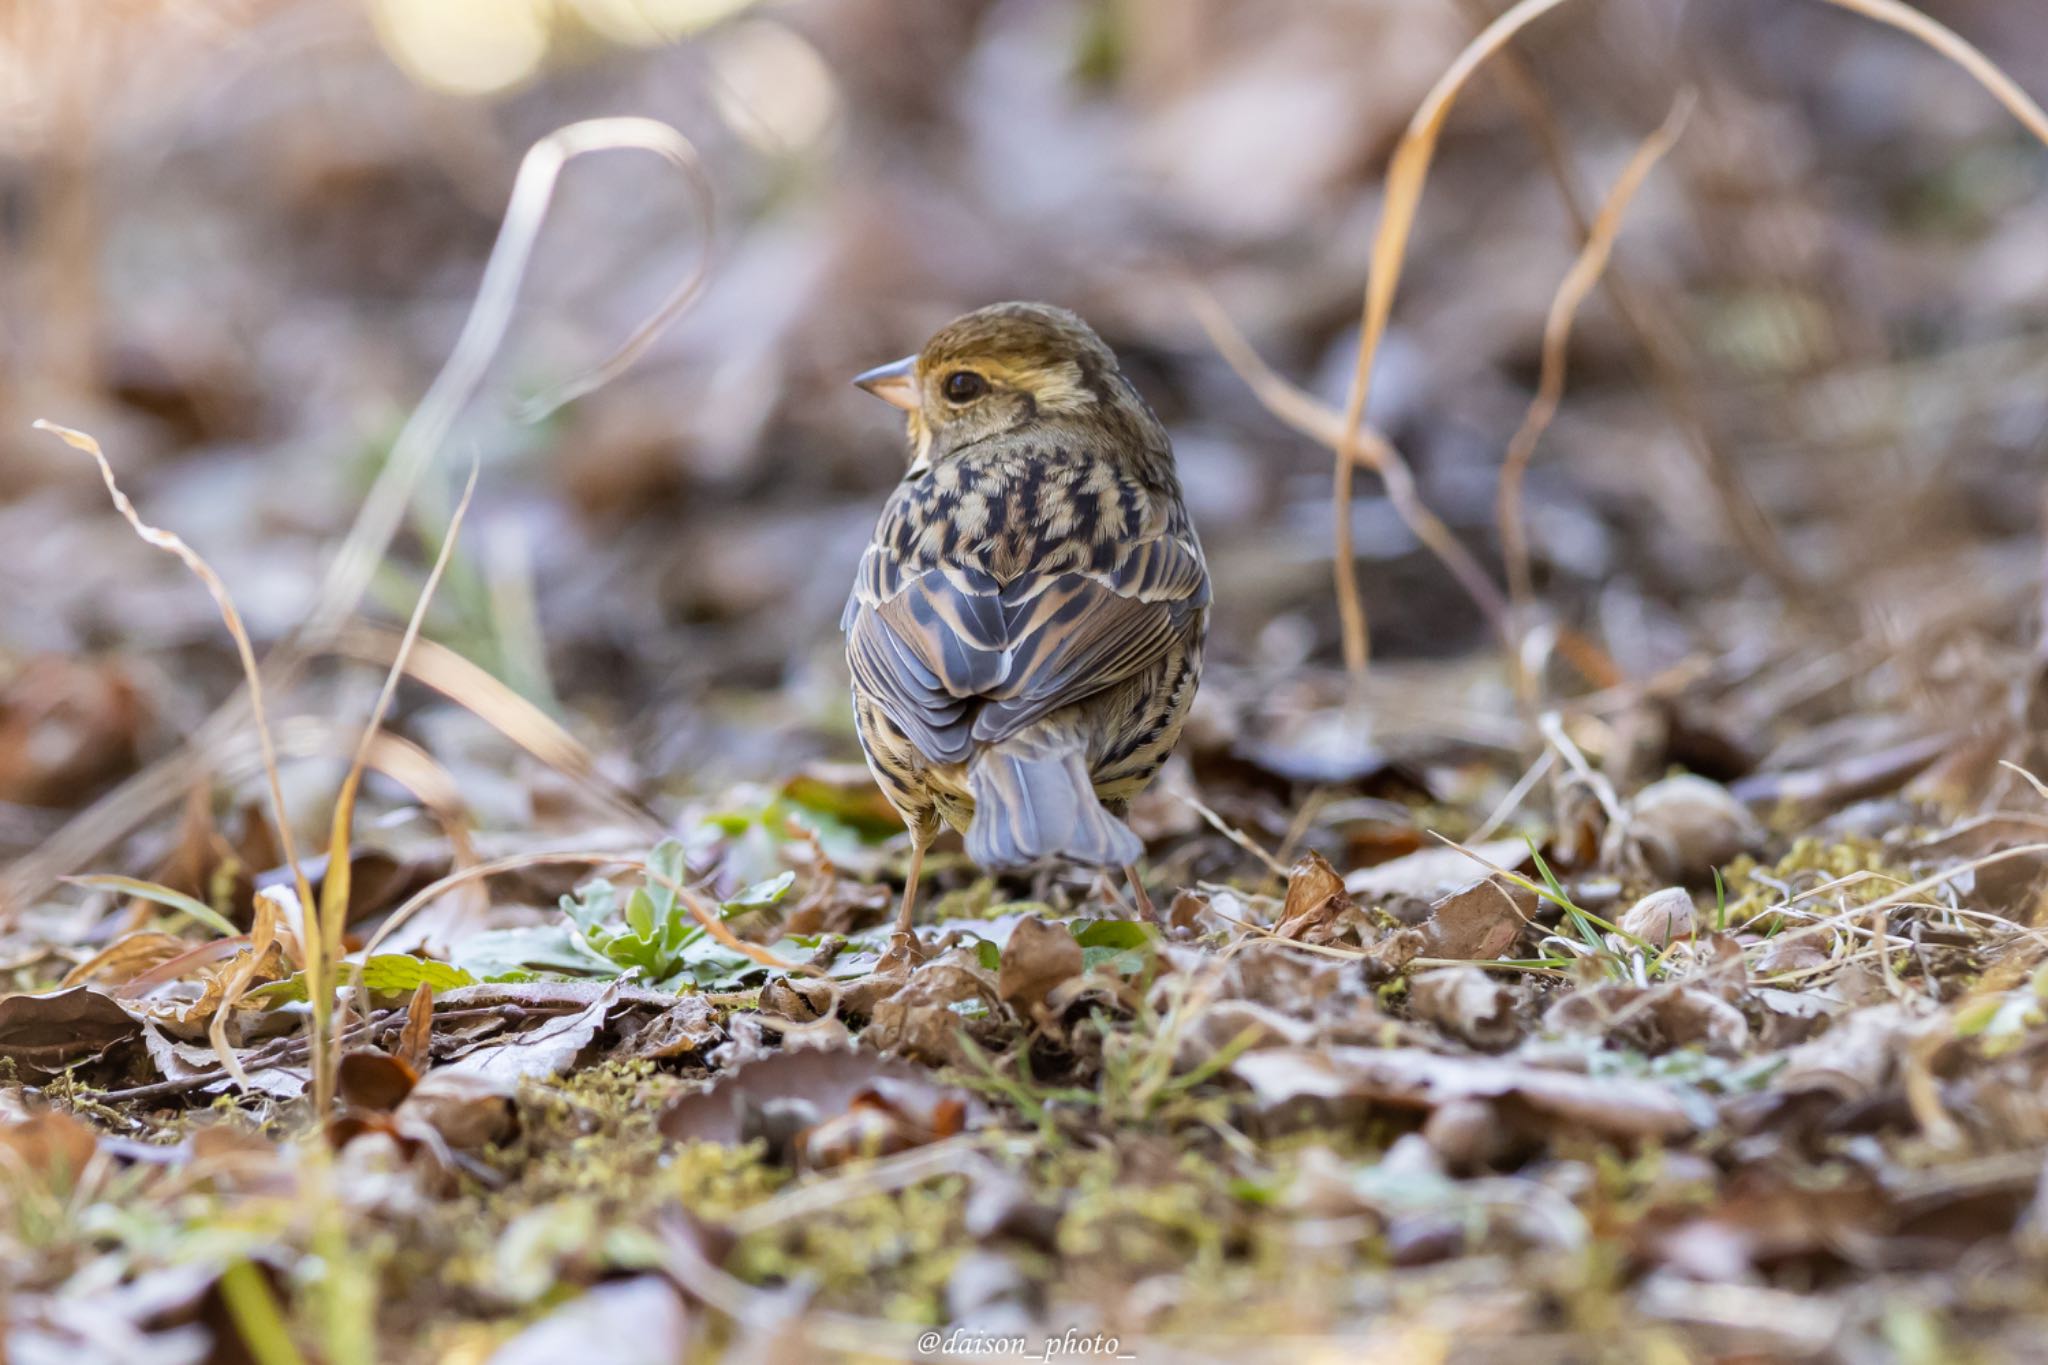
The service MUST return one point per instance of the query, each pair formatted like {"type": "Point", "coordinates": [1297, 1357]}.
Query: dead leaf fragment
{"type": "Point", "coordinates": [690, 1026]}
{"type": "Point", "coordinates": [1467, 1003]}
{"type": "Point", "coordinates": [126, 958]}
{"type": "Point", "coordinates": [1652, 1019]}
{"type": "Point", "coordinates": [1476, 923]}
{"type": "Point", "coordinates": [1681, 828]}
{"type": "Point", "coordinates": [1413, 1078]}
{"type": "Point", "coordinates": [1431, 873]}
{"type": "Point", "coordinates": [416, 1041]}
{"type": "Point", "coordinates": [820, 1106]}
{"type": "Point", "coordinates": [374, 1080]}
{"type": "Point", "coordinates": [1660, 917]}
{"type": "Point", "coordinates": [547, 1049]}
{"type": "Point", "coordinates": [46, 1033]}
{"type": "Point", "coordinates": [1315, 898]}
{"type": "Point", "coordinates": [468, 1110]}
{"type": "Point", "coordinates": [1039, 956]}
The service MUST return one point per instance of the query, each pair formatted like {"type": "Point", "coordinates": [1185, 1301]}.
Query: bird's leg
{"type": "Point", "coordinates": [917, 847]}
{"type": "Point", "coordinates": [1145, 906]}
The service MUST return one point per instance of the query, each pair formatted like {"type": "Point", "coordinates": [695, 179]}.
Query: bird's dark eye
{"type": "Point", "coordinates": [964, 386]}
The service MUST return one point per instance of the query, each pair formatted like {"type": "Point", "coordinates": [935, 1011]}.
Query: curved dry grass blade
{"type": "Point", "coordinates": [477, 345]}
{"type": "Point", "coordinates": [476, 690]}
{"type": "Point", "coordinates": [1406, 175]}
{"type": "Point", "coordinates": [263, 933]}
{"type": "Point", "coordinates": [1234, 834]}
{"type": "Point", "coordinates": [1557, 330]}
{"type": "Point", "coordinates": [110, 818]}
{"type": "Point", "coordinates": [1408, 171]}
{"type": "Point", "coordinates": [1952, 45]}
{"type": "Point", "coordinates": [171, 544]}
{"type": "Point", "coordinates": [1308, 415]}
{"type": "Point", "coordinates": [599, 135]}
{"type": "Point", "coordinates": [321, 972]}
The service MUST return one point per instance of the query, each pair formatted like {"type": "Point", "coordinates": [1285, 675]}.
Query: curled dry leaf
{"type": "Point", "coordinates": [1681, 828]}
{"type": "Point", "coordinates": [126, 958]}
{"type": "Point", "coordinates": [918, 1019]}
{"type": "Point", "coordinates": [1467, 1003]}
{"type": "Point", "coordinates": [467, 1110]}
{"type": "Point", "coordinates": [1391, 955]}
{"type": "Point", "coordinates": [1795, 952]}
{"type": "Point", "coordinates": [1857, 1056]}
{"type": "Point", "coordinates": [1476, 923]}
{"type": "Point", "coordinates": [1660, 917]}
{"type": "Point", "coordinates": [1412, 1078]}
{"type": "Point", "coordinates": [374, 1080]}
{"type": "Point", "coordinates": [1431, 873]}
{"type": "Point", "coordinates": [690, 1026]}
{"type": "Point", "coordinates": [1039, 956]}
{"type": "Point", "coordinates": [1315, 901]}
{"type": "Point", "coordinates": [820, 1106]}
{"type": "Point", "coordinates": [415, 1043]}
{"type": "Point", "coordinates": [1652, 1019]}
{"type": "Point", "coordinates": [43, 1034]}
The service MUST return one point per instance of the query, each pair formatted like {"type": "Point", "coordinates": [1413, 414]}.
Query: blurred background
{"type": "Point", "coordinates": [241, 236]}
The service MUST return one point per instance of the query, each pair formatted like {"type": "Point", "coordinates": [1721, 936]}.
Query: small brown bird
{"type": "Point", "coordinates": [1025, 631]}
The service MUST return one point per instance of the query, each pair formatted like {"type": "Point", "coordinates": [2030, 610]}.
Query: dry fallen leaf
{"type": "Point", "coordinates": [467, 1110]}
{"type": "Point", "coordinates": [1430, 873]}
{"type": "Point", "coordinates": [1660, 917]}
{"type": "Point", "coordinates": [819, 1106]}
{"type": "Point", "coordinates": [1467, 1003]}
{"type": "Point", "coordinates": [1681, 828]}
{"type": "Point", "coordinates": [1410, 1078]}
{"type": "Point", "coordinates": [689, 1027]}
{"type": "Point", "coordinates": [1652, 1019]}
{"type": "Point", "coordinates": [43, 1034]}
{"type": "Point", "coordinates": [374, 1081]}
{"type": "Point", "coordinates": [1476, 923]}
{"type": "Point", "coordinates": [53, 1147]}
{"type": "Point", "coordinates": [1040, 955]}
{"type": "Point", "coordinates": [545, 1049]}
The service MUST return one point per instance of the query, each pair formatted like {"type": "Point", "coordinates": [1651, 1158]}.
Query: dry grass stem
{"type": "Point", "coordinates": [1578, 282]}
{"type": "Point", "coordinates": [172, 544]}
{"type": "Point", "coordinates": [1406, 174]}
{"type": "Point", "coordinates": [483, 333]}
{"type": "Point", "coordinates": [114, 815]}
{"type": "Point", "coordinates": [1307, 414]}
{"type": "Point", "coordinates": [322, 966]}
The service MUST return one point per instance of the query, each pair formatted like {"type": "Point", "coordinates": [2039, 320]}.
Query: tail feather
{"type": "Point", "coordinates": [1029, 806]}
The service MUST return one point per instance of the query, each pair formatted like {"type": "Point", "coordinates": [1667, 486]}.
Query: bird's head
{"type": "Point", "coordinates": [997, 369]}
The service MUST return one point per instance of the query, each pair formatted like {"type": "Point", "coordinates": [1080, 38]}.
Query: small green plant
{"type": "Point", "coordinates": [652, 931]}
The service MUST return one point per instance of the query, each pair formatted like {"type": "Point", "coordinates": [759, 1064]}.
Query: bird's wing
{"type": "Point", "coordinates": [927, 650]}
{"type": "Point", "coordinates": [955, 657]}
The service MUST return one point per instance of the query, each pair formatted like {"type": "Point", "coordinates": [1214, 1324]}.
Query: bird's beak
{"type": "Point", "coordinates": [894, 383]}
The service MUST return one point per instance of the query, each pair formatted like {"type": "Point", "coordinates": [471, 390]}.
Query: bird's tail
{"type": "Point", "coordinates": [1033, 800]}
